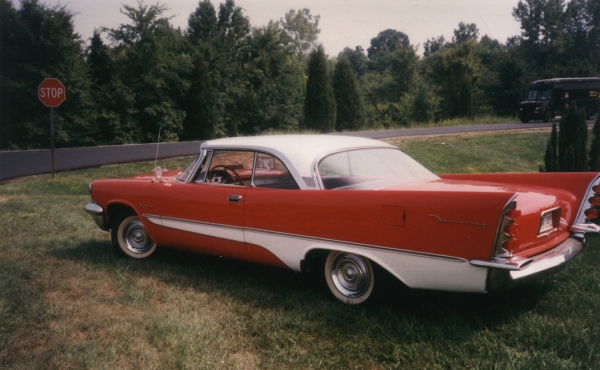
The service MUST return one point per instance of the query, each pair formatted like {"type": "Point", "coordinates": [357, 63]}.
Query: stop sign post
{"type": "Point", "coordinates": [52, 93]}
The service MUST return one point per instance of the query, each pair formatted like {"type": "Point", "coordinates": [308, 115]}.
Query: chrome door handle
{"type": "Point", "coordinates": [234, 198]}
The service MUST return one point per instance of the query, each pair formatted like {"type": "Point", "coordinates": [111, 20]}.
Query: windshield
{"type": "Point", "coordinates": [370, 169]}
{"type": "Point", "coordinates": [185, 175]}
{"type": "Point", "coordinates": [539, 94]}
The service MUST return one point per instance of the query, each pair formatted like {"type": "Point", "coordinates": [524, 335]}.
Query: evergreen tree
{"type": "Point", "coordinates": [99, 61]}
{"type": "Point", "coordinates": [595, 148]}
{"type": "Point", "coordinates": [572, 141]}
{"type": "Point", "coordinates": [202, 119]}
{"type": "Point", "coordinates": [349, 103]}
{"type": "Point", "coordinates": [319, 105]}
{"type": "Point", "coordinates": [550, 158]}
{"type": "Point", "coordinates": [202, 23]}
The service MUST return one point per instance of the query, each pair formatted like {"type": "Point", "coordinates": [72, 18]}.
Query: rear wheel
{"type": "Point", "coordinates": [129, 236]}
{"type": "Point", "coordinates": [524, 120]}
{"type": "Point", "coordinates": [548, 116]}
{"type": "Point", "coordinates": [349, 277]}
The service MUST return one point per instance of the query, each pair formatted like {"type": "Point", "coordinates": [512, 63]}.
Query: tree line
{"type": "Point", "coordinates": [220, 76]}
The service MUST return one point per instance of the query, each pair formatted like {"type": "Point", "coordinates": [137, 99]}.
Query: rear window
{"type": "Point", "coordinates": [370, 169]}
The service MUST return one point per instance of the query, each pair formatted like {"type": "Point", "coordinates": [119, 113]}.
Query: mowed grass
{"type": "Point", "coordinates": [68, 301]}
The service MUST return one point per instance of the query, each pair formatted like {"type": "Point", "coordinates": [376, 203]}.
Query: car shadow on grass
{"type": "Point", "coordinates": [266, 287]}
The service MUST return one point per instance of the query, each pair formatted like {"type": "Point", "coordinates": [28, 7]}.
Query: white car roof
{"type": "Point", "coordinates": [299, 151]}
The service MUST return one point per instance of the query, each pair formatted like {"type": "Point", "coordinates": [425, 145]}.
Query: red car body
{"type": "Point", "coordinates": [342, 204]}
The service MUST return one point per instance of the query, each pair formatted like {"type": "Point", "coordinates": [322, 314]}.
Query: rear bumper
{"type": "Point", "coordinates": [97, 214]}
{"type": "Point", "coordinates": [509, 272]}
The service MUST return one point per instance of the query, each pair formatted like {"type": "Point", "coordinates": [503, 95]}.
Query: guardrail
{"type": "Point", "coordinates": [21, 163]}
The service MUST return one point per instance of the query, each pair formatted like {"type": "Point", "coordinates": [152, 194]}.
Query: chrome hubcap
{"type": "Point", "coordinates": [136, 238]}
{"type": "Point", "coordinates": [350, 274]}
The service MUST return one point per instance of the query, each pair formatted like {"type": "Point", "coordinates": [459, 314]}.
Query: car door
{"type": "Point", "coordinates": [206, 214]}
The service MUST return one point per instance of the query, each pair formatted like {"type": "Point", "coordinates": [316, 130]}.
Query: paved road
{"type": "Point", "coordinates": [448, 130]}
{"type": "Point", "coordinates": [17, 164]}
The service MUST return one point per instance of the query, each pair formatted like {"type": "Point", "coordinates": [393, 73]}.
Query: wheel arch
{"type": "Point", "coordinates": [117, 208]}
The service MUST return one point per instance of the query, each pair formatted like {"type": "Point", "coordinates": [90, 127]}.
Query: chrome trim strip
{"type": "Point", "coordinates": [514, 263]}
{"type": "Point", "coordinates": [232, 233]}
{"type": "Point", "coordinates": [585, 228]}
{"type": "Point", "coordinates": [202, 228]}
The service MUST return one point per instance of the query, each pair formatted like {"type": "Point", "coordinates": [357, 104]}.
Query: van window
{"type": "Point", "coordinates": [539, 94]}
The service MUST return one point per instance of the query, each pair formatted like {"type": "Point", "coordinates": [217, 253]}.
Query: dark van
{"type": "Point", "coordinates": [549, 98]}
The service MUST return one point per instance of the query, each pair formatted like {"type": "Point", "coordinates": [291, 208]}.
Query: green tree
{"type": "Point", "coordinates": [433, 44]}
{"type": "Point", "coordinates": [274, 84]}
{"type": "Point", "coordinates": [572, 141]}
{"type": "Point", "coordinates": [456, 71]}
{"type": "Point", "coordinates": [38, 42]}
{"type": "Point", "coordinates": [153, 63]}
{"type": "Point", "coordinates": [465, 32]}
{"type": "Point", "coordinates": [319, 106]}
{"type": "Point", "coordinates": [100, 61]}
{"type": "Point", "coordinates": [202, 23]}
{"type": "Point", "coordinates": [388, 40]}
{"type": "Point", "coordinates": [357, 58]}
{"type": "Point", "coordinates": [595, 148]}
{"type": "Point", "coordinates": [202, 119]}
{"type": "Point", "coordinates": [551, 155]}
{"type": "Point", "coordinates": [349, 103]}
{"type": "Point", "coordinates": [300, 31]}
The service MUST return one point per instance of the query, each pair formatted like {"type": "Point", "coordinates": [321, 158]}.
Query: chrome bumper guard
{"type": "Point", "coordinates": [97, 214]}
{"type": "Point", "coordinates": [505, 273]}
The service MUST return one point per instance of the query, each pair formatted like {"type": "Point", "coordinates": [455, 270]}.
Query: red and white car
{"type": "Point", "coordinates": [346, 204]}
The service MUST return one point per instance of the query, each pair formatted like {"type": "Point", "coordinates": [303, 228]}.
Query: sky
{"type": "Point", "coordinates": [343, 22]}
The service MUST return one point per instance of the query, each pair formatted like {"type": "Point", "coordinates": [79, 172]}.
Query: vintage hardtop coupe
{"type": "Point", "coordinates": [344, 204]}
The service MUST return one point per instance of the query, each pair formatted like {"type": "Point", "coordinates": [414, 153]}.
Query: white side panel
{"type": "Point", "coordinates": [415, 270]}
{"type": "Point", "coordinates": [223, 232]}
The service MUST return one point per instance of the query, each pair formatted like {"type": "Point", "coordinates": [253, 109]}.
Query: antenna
{"type": "Point", "coordinates": [156, 158]}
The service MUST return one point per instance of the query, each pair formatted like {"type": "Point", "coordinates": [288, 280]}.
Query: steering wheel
{"type": "Point", "coordinates": [223, 176]}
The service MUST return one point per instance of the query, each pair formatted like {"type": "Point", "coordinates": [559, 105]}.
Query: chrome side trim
{"type": "Point", "coordinates": [97, 213]}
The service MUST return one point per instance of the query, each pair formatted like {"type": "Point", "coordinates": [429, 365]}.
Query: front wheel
{"type": "Point", "coordinates": [349, 277]}
{"type": "Point", "coordinates": [129, 236]}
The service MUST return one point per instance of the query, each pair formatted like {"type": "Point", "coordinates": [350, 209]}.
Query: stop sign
{"type": "Point", "coordinates": [52, 92]}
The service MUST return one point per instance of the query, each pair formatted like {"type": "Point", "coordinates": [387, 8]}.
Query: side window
{"type": "Point", "coordinates": [271, 173]}
{"type": "Point", "coordinates": [230, 167]}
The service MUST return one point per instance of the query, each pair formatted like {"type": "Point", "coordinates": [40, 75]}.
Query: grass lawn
{"type": "Point", "coordinates": [68, 301]}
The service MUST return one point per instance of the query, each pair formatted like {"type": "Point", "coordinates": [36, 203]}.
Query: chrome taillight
{"type": "Point", "coordinates": [506, 237]}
